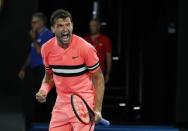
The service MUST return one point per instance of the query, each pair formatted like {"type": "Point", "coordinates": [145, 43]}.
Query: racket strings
{"type": "Point", "coordinates": [81, 109]}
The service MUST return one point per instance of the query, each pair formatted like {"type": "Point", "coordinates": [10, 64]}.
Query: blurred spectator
{"type": "Point", "coordinates": [39, 34]}
{"type": "Point", "coordinates": [103, 45]}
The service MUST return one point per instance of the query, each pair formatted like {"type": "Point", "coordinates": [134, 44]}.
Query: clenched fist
{"type": "Point", "coordinates": [41, 96]}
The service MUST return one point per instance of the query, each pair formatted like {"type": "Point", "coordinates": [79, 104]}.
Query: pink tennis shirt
{"type": "Point", "coordinates": [71, 68]}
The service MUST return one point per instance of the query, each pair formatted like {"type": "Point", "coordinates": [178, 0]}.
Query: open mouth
{"type": "Point", "coordinates": [65, 36]}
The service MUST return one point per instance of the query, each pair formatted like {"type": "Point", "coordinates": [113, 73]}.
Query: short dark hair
{"type": "Point", "coordinates": [60, 13]}
{"type": "Point", "coordinates": [41, 16]}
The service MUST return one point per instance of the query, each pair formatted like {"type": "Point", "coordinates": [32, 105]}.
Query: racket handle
{"type": "Point", "coordinates": [104, 122]}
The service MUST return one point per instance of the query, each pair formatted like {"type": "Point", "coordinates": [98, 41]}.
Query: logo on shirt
{"type": "Point", "coordinates": [74, 57]}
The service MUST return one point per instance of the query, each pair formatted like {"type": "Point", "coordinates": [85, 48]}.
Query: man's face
{"type": "Point", "coordinates": [63, 30]}
{"type": "Point", "coordinates": [94, 27]}
{"type": "Point", "coordinates": [36, 24]}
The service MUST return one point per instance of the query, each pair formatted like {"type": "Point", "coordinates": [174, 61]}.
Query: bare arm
{"type": "Point", "coordinates": [26, 63]}
{"type": "Point", "coordinates": [21, 73]}
{"type": "Point", "coordinates": [98, 81]}
{"type": "Point", "coordinates": [46, 86]}
{"type": "Point", "coordinates": [47, 82]}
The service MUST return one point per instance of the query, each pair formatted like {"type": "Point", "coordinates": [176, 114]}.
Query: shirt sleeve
{"type": "Point", "coordinates": [45, 37]}
{"type": "Point", "coordinates": [91, 59]}
{"type": "Point", "coordinates": [45, 60]}
{"type": "Point", "coordinates": [48, 36]}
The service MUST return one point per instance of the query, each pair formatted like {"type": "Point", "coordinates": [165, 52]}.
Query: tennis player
{"type": "Point", "coordinates": [72, 65]}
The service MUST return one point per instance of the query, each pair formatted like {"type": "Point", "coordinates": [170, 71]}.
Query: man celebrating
{"type": "Point", "coordinates": [72, 65]}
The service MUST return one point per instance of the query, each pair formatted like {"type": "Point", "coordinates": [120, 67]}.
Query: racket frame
{"type": "Point", "coordinates": [90, 111]}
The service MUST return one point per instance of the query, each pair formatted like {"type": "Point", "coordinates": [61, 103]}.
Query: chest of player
{"type": "Point", "coordinates": [65, 57]}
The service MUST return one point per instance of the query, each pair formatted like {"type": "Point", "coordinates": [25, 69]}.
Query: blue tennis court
{"type": "Point", "coordinates": [44, 127]}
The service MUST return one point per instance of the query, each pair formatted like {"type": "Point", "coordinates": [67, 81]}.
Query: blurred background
{"type": "Point", "coordinates": [149, 78]}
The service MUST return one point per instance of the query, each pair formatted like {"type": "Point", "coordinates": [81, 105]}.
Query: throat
{"type": "Point", "coordinates": [64, 46]}
{"type": "Point", "coordinates": [94, 36]}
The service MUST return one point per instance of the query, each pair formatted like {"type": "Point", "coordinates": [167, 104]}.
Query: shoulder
{"type": "Point", "coordinates": [105, 40]}
{"type": "Point", "coordinates": [83, 46]}
{"type": "Point", "coordinates": [87, 37]}
{"type": "Point", "coordinates": [48, 45]}
{"type": "Point", "coordinates": [82, 43]}
{"type": "Point", "coordinates": [48, 32]}
{"type": "Point", "coordinates": [105, 37]}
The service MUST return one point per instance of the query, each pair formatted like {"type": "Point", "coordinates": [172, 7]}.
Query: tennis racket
{"type": "Point", "coordinates": [83, 111]}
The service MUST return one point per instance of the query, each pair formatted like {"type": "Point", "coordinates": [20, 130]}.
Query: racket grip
{"type": "Point", "coordinates": [104, 122]}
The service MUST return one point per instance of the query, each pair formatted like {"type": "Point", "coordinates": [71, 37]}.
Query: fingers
{"type": "Point", "coordinates": [41, 96]}
{"type": "Point", "coordinates": [32, 34]}
{"type": "Point", "coordinates": [42, 92]}
{"type": "Point", "coordinates": [98, 116]}
{"type": "Point", "coordinates": [21, 75]}
{"type": "Point", "coordinates": [41, 99]}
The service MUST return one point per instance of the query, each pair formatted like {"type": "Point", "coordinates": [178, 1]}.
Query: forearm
{"type": "Point", "coordinates": [99, 86]}
{"type": "Point", "coordinates": [47, 83]}
{"type": "Point", "coordinates": [26, 63]}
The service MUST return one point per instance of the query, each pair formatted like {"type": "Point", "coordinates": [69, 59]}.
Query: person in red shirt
{"type": "Point", "coordinates": [71, 63]}
{"type": "Point", "coordinates": [103, 45]}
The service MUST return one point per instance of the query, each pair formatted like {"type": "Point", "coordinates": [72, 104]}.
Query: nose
{"type": "Point", "coordinates": [64, 28]}
{"type": "Point", "coordinates": [64, 31]}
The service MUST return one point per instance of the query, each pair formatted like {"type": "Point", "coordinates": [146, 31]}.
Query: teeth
{"type": "Point", "coordinates": [64, 34]}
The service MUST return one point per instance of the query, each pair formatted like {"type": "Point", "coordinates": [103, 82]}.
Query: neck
{"type": "Point", "coordinates": [93, 36]}
{"type": "Point", "coordinates": [64, 46]}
